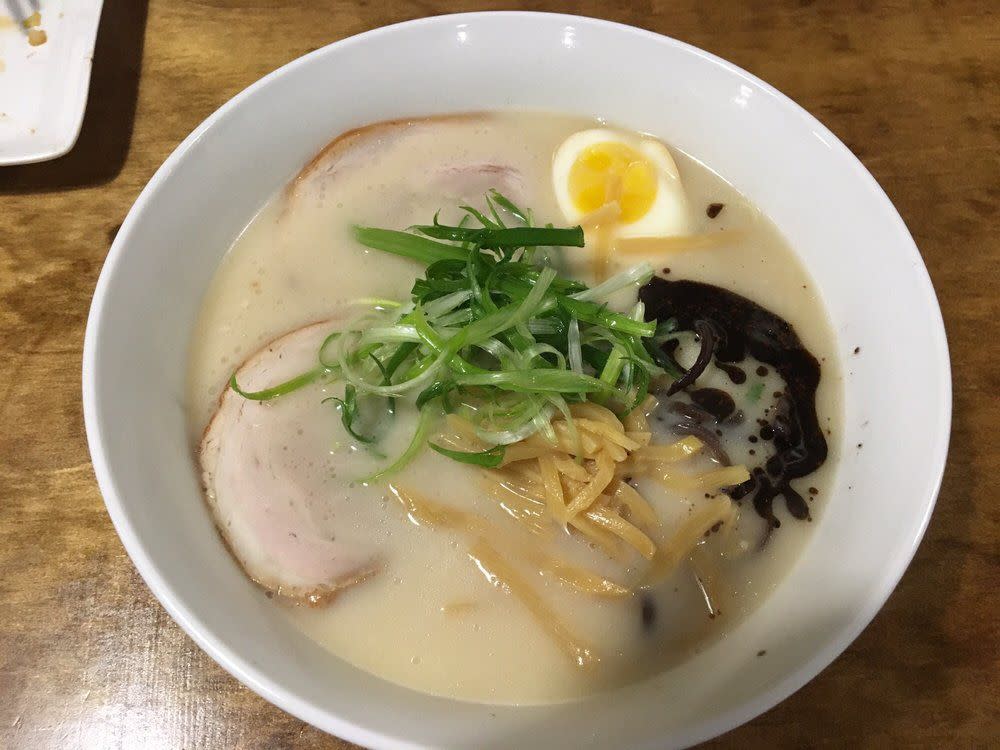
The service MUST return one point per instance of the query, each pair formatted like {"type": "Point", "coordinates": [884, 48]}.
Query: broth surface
{"type": "Point", "coordinates": [430, 620]}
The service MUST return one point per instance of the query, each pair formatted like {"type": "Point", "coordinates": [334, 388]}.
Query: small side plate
{"type": "Point", "coordinates": [43, 89]}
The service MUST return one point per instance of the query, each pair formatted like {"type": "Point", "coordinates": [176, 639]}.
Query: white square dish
{"type": "Point", "coordinates": [43, 88]}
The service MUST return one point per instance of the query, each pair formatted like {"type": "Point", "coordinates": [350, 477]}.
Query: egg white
{"type": "Point", "coordinates": [667, 216]}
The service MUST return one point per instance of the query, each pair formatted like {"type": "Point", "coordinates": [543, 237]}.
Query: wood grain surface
{"type": "Point", "coordinates": [88, 659]}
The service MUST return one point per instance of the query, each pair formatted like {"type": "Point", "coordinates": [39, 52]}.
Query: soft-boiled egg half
{"type": "Point", "coordinates": [633, 179]}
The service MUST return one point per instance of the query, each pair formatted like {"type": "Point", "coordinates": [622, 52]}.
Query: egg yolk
{"type": "Point", "coordinates": [610, 171]}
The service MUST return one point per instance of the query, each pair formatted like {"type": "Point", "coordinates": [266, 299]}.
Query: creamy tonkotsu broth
{"type": "Point", "coordinates": [427, 610]}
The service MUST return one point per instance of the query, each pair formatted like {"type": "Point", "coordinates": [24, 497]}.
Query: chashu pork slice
{"type": "Point", "coordinates": [270, 483]}
{"type": "Point", "coordinates": [452, 182]}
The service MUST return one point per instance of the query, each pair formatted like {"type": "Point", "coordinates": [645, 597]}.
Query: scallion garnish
{"type": "Point", "coordinates": [503, 237]}
{"type": "Point", "coordinates": [281, 389]}
{"type": "Point", "coordinates": [349, 412]}
{"type": "Point", "coordinates": [489, 458]}
{"type": "Point", "coordinates": [489, 331]}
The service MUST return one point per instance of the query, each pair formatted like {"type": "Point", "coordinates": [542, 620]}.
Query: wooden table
{"type": "Point", "coordinates": [89, 659]}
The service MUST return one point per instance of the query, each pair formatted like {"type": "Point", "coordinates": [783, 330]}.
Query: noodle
{"type": "Point", "coordinates": [642, 438]}
{"type": "Point", "coordinates": [601, 429]}
{"type": "Point", "coordinates": [425, 513]}
{"type": "Point", "coordinates": [580, 483]}
{"type": "Point", "coordinates": [572, 469]}
{"type": "Point", "coordinates": [577, 481]}
{"type": "Point", "coordinates": [568, 444]}
{"type": "Point", "coordinates": [606, 541]}
{"type": "Point", "coordinates": [595, 412]}
{"type": "Point", "coordinates": [610, 211]}
{"type": "Point", "coordinates": [582, 580]}
{"type": "Point", "coordinates": [637, 420]}
{"type": "Point", "coordinates": [637, 505]}
{"type": "Point", "coordinates": [728, 476]}
{"type": "Point", "coordinates": [658, 245]}
{"type": "Point", "coordinates": [553, 488]}
{"type": "Point", "coordinates": [622, 528]}
{"type": "Point", "coordinates": [532, 447]}
{"type": "Point", "coordinates": [672, 550]}
{"type": "Point", "coordinates": [673, 452]}
{"type": "Point", "coordinates": [601, 479]}
{"type": "Point", "coordinates": [498, 572]}
{"type": "Point", "coordinates": [428, 513]}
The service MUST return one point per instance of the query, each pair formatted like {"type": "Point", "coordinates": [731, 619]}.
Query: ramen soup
{"type": "Point", "coordinates": [513, 407]}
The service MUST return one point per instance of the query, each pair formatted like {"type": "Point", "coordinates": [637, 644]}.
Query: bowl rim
{"type": "Point", "coordinates": [284, 697]}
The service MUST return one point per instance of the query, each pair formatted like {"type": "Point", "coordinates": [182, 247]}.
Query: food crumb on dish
{"type": "Point", "coordinates": [36, 35]}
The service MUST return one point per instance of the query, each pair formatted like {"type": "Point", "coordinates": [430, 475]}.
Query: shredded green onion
{"type": "Point", "coordinates": [349, 412]}
{"type": "Point", "coordinates": [416, 443]}
{"type": "Point", "coordinates": [491, 331]}
{"type": "Point", "coordinates": [493, 238]}
{"type": "Point", "coordinates": [539, 381]}
{"type": "Point", "coordinates": [489, 458]}
{"type": "Point", "coordinates": [635, 276]}
{"type": "Point", "coordinates": [408, 245]}
{"type": "Point", "coordinates": [299, 381]}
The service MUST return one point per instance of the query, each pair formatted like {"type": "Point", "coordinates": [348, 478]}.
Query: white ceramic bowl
{"type": "Point", "coordinates": [877, 291]}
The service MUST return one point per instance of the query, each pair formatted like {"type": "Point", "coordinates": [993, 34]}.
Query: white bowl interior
{"type": "Point", "coordinates": [875, 287]}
